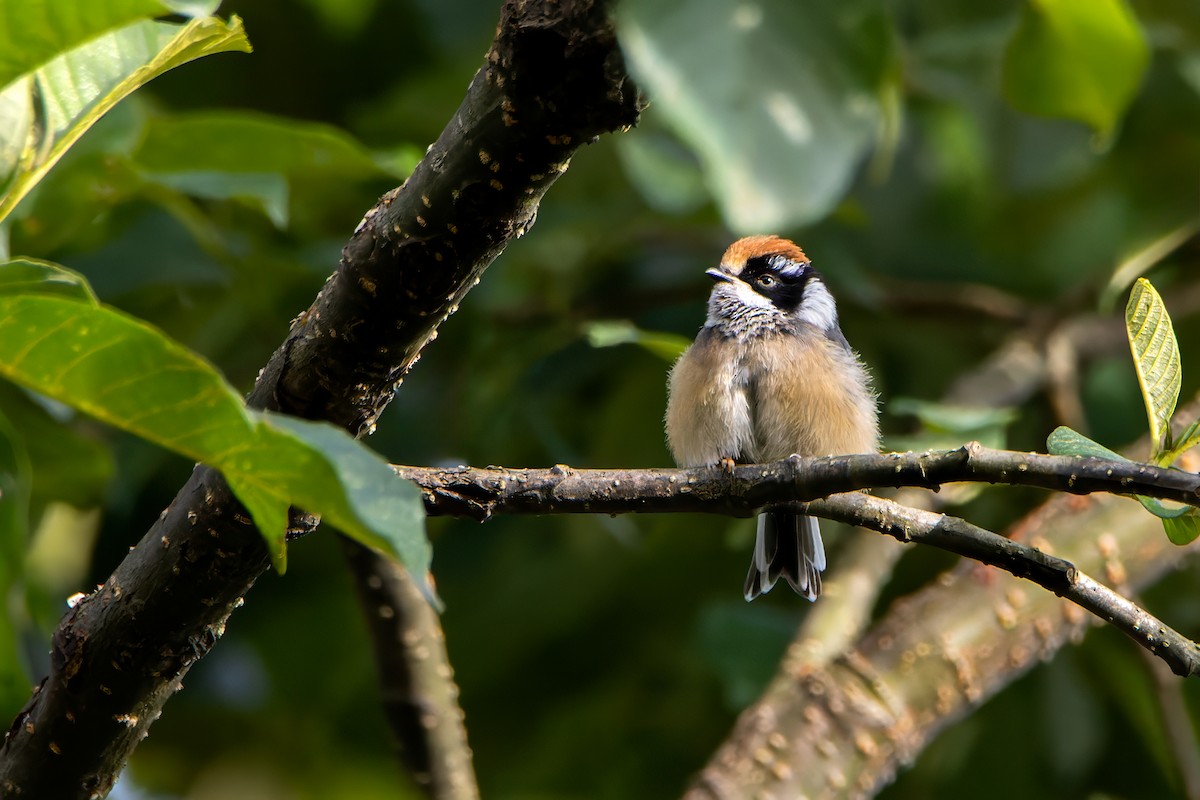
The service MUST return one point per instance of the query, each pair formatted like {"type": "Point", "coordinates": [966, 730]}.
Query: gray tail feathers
{"type": "Point", "coordinates": [787, 545]}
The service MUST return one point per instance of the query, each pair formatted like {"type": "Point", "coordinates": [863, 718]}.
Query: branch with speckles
{"type": "Point", "coordinates": [480, 493]}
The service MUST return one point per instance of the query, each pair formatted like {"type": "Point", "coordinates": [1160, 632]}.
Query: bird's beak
{"type": "Point", "coordinates": [718, 274]}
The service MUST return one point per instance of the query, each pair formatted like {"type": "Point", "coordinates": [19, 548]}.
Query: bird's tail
{"type": "Point", "coordinates": [787, 545]}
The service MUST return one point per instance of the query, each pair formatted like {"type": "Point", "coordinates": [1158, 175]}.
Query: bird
{"type": "Point", "coordinates": [770, 375]}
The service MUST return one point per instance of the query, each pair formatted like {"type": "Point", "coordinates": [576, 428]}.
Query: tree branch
{"type": "Point", "coordinates": [553, 80]}
{"type": "Point", "coordinates": [844, 728]}
{"type": "Point", "coordinates": [479, 493]}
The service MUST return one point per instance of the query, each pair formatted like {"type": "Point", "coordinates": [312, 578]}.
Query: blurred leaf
{"type": "Point", "coordinates": [743, 645]}
{"type": "Point", "coordinates": [254, 156]}
{"type": "Point", "coordinates": [664, 172]}
{"type": "Point", "coordinates": [15, 479]}
{"type": "Point", "coordinates": [958, 419]}
{"type": "Point", "coordinates": [608, 333]}
{"type": "Point", "coordinates": [65, 465]}
{"type": "Point", "coordinates": [1144, 258]}
{"type": "Point", "coordinates": [246, 142]}
{"type": "Point", "coordinates": [1076, 59]}
{"type": "Point", "coordinates": [48, 111]}
{"type": "Point", "coordinates": [268, 191]}
{"type": "Point", "coordinates": [1183, 529]}
{"type": "Point", "coordinates": [778, 100]}
{"type": "Point", "coordinates": [1155, 357]}
{"type": "Point", "coordinates": [35, 31]}
{"type": "Point", "coordinates": [1064, 441]}
{"type": "Point", "coordinates": [128, 374]}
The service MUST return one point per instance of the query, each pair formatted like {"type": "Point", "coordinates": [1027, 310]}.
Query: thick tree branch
{"type": "Point", "coordinates": [552, 81]}
{"type": "Point", "coordinates": [479, 493]}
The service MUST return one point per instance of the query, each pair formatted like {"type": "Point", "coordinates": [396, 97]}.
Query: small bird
{"type": "Point", "coordinates": [770, 375]}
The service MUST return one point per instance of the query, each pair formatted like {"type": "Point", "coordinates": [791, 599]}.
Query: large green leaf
{"type": "Point", "coordinates": [1155, 357]}
{"type": "Point", "coordinates": [34, 31]}
{"type": "Point", "coordinates": [44, 112]}
{"type": "Point", "coordinates": [130, 375]}
{"type": "Point", "coordinates": [1076, 59]}
{"type": "Point", "coordinates": [778, 99]}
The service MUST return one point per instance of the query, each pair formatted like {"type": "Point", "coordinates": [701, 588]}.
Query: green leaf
{"type": "Point", "coordinates": [1188, 438]}
{"type": "Point", "coordinates": [1064, 441]}
{"type": "Point", "coordinates": [45, 112]}
{"type": "Point", "coordinates": [1183, 529]}
{"type": "Point", "coordinates": [1155, 358]}
{"type": "Point", "coordinates": [35, 31]}
{"type": "Point", "coordinates": [250, 156]}
{"type": "Point", "coordinates": [32, 276]}
{"type": "Point", "coordinates": [130, 375]}
{"type": "Point", "coordinates": [355, 490]}
{"type": "Point", "coordinates": [246, 142]}
{"type": "Point", "coordinates": [1076, 59]}
{"type": "Point", "coordinates": [609, 333]}
{"type": "Point", "coordinates": [1163, 511]}
{"type": "Point", "coordinates": [779, 100]}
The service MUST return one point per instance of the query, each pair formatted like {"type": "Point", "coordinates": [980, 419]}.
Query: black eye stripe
{"type": "Point", "coordinates": [777, 266]}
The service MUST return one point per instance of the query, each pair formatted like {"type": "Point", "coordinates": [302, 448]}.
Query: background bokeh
{"type": "Point", "coordinates": [607, 657]}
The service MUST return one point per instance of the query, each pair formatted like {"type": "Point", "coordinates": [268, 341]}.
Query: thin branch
{"type": "Point", "coordinates": [843, 729]}
{"type": "Point", "coordinates": [1057, 575]}
{"type": "Point", "coordinates": [480, 493]}
{"type": "Point", "coordinates": [416, 681]}
{"type": "Point", "coordinates": [560, 490]}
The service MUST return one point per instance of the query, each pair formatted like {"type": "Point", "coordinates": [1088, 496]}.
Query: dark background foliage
{"type": "Point", "coordinates": [607, 657]}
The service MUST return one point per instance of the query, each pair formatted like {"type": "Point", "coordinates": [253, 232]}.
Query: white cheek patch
{"type": "Point", "coordinates": [740, 292]}
{"type": "Point", "coordinates": [818, 308]}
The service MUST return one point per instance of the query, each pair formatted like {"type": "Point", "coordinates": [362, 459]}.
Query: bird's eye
{"type": "Point", "coordinates": [765, 281]}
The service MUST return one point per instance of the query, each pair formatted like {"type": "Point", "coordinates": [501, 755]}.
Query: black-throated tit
{"type": "Point", "coordinates": [769, 375]}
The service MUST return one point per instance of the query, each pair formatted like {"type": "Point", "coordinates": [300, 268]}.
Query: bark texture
{"type": "Point", "coordinates": [553, 80]}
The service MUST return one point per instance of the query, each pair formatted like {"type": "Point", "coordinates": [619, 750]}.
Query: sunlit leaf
{"type": "Point", "coordinates": [1155, 358]}
{"type": "Point", "coordinates": [35, 31]}
{"type": "Point", "coordinates": [48, 111]}
{"type": "Point", "coordinates": [1076, 59]}
{"type": "Point", "coordinates": [779, 100]}
{"type": "Point", "coordinates": [130, 375]}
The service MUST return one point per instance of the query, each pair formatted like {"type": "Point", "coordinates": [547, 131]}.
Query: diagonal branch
{"type": "Point", "coordinates": [553, 80]}
{"type": "Point", "coordinates": [479, 493]}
